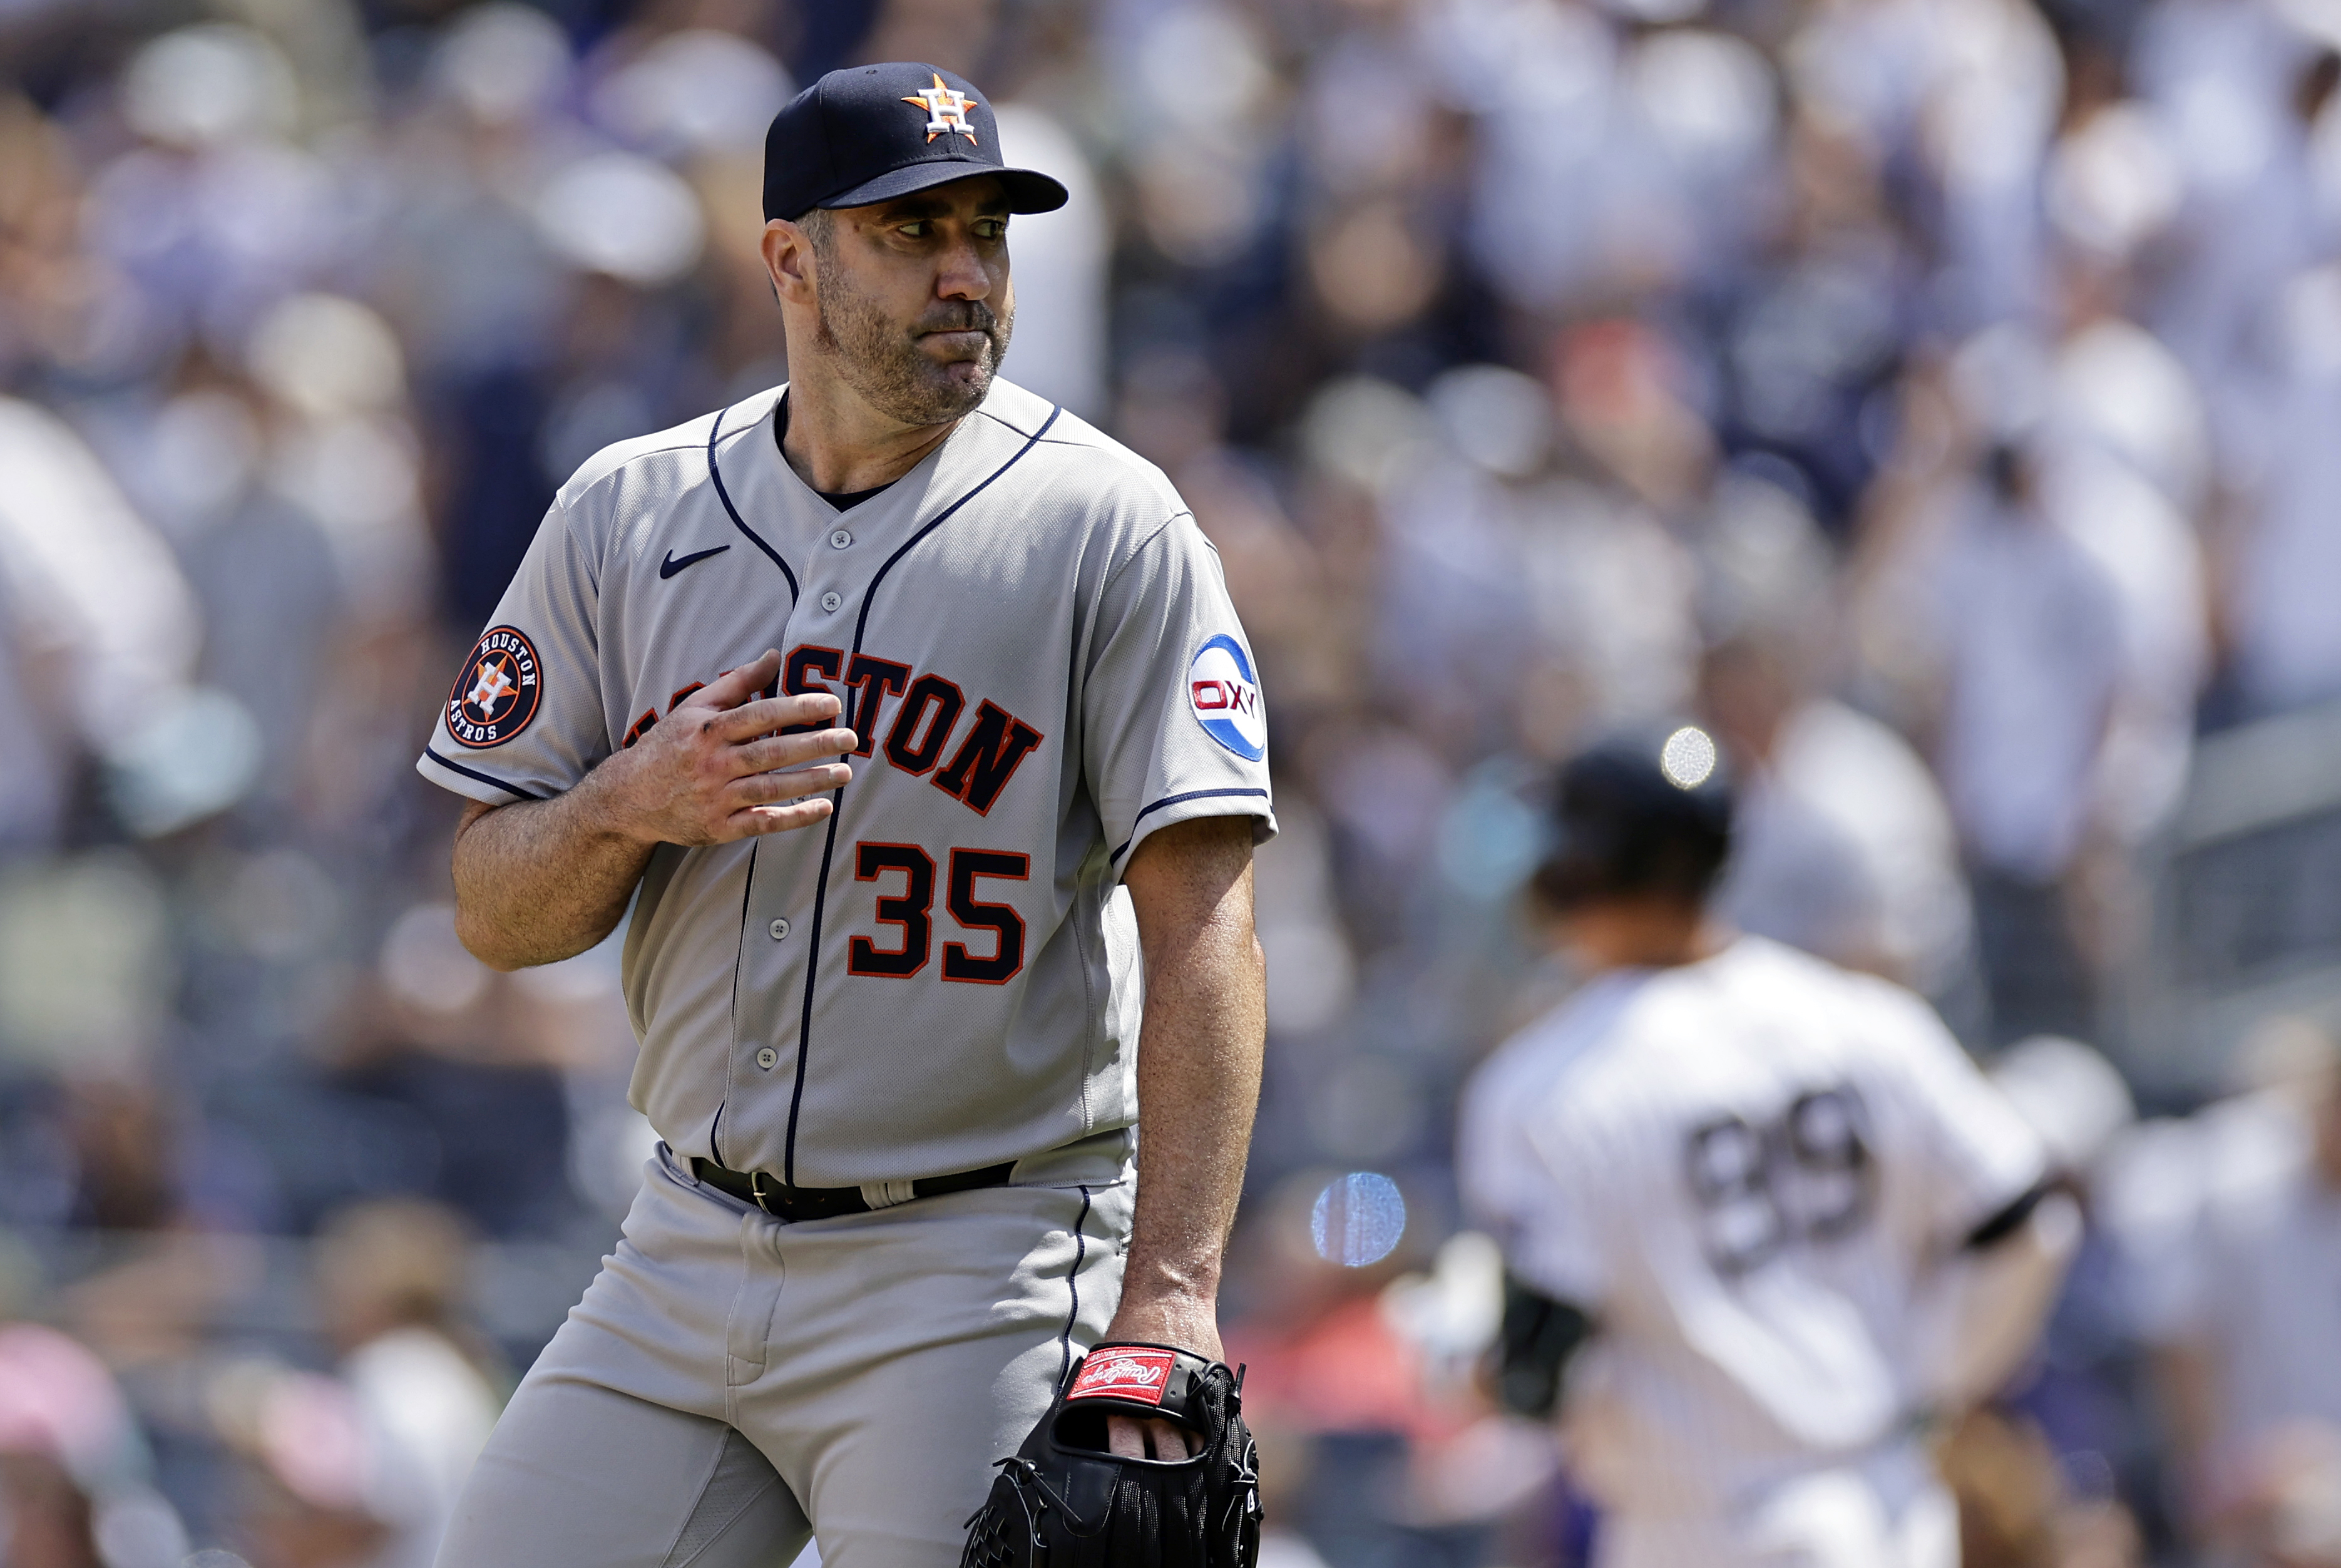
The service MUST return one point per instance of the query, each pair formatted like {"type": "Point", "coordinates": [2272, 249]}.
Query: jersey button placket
{"type": "Point", "coordinates": [780, 930]}
{"type": "Point", "coordinates": [768, 1058]}
{"type": "Point", "coordinates": [838, 538]}
{"type": "Point", "coordinates": [833, 602]}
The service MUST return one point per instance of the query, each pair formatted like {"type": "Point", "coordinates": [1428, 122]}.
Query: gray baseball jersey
{"type": "Point", "coordinates": [1744, 1169]}
{"type": "Point", "coordinates": [1034, 643]}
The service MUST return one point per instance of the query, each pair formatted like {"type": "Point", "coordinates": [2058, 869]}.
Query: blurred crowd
{"type": "Point", "coordinates": [1940, 398]}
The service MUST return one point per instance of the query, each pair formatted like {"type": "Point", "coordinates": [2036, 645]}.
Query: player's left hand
{"type": "Point", "coordinates": [1061, 1502]}
{"type": "Point", "coordinates": [1190, 1325]}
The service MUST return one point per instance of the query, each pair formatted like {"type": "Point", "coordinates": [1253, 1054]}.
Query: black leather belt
{"type": "Point", "coordinates": [796, 1204]}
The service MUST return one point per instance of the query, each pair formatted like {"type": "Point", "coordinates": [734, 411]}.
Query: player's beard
{"type": "Point", "coordinates": [883, 361]}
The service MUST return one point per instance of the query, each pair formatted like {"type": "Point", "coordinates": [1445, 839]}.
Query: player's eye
{"type": "Point", "coordinates": [991, 228]}
{"type": "Point", "coordinates": [916, 229]}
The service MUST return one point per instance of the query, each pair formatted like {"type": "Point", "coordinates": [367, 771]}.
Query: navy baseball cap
{"type": "Point", "coordinates": [871, 132]}
{"type": "Point", "coordinates": [1646, 808]}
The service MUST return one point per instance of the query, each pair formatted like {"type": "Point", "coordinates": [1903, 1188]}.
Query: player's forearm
{"type": "Point", "coordinates": [2185, 1386]}
{"type": "Point", "coordinates": [1197, 1085]}
{"type": "Point", "coordinates": [540, 881]}
{"type": "Point", "coordinates": [1196, 1104]}
{"type": "Point", "coordinates": [1199, 1066]}
{"type": "Point", "coordinates": [1990, 1306]}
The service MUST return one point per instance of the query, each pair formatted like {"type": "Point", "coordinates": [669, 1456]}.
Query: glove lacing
{"type": "Point", "coordinates": [1024, 1478]}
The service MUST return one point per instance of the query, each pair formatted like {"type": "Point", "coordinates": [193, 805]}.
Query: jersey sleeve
{"type": "Point", "coordinates": [1976, 1154]}
{"type": "Point", "coordinates": [1556, 1240]}
{"type": "Point", "coordinates": [1493, 1172]}
{"type": "Point", "coordinates": [1523, 1180]}
{"type": "Point", "coordinates": [524, 720]}
{"type": "Point", "coordinates": [1173, 725]}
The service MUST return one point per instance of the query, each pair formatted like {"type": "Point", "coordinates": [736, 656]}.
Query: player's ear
{"type": "Point", "coordinates": [790, 260]}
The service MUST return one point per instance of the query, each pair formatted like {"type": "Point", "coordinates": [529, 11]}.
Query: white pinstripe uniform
{"type": "Point", "coordinates": [1743, 1169]}
{"type": "Point", "coordinates": [1035, 645]}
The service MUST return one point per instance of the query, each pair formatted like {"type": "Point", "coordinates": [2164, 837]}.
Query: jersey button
{"type": "Point", "coordinates": [831, 602]}
{"type": "Point", "coordinates": [767, 1058]}
{"type": "Point", "coordinates": [841, 538]}
{"type": "Point", "coordinates": [780, 929]}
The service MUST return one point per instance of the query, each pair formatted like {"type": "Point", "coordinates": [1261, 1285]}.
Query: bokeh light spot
{"type": "Point", "coordinates": [1358, 1220]}
{"type": "Point", "coordinates": [1688, 759]}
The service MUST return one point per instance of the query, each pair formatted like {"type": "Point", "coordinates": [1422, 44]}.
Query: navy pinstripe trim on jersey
{"type": "Point", "coordinates": [1073, 1288]}
{"type": "Point", "coordinates": [837, 800]}
{"type": "Point", "coordinates": [1169, 799]}
{"type": "Point", "coordinates": [739, 957]}
{"type": "Point", "coordinates": [724, 495]}
{"type": "Point", "coordinates": [484, 778]}
{"type": "Point", "coordinates": [812, 968]}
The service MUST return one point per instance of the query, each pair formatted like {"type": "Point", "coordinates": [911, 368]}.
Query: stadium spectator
{"type": "Point", "coordinates": [2253, 1396]}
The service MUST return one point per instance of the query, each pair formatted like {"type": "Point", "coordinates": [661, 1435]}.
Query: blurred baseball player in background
{"type": "Point", "coordinates": [891, 1027]}
{"type": "Point", "coordinates": [1762, 1216]}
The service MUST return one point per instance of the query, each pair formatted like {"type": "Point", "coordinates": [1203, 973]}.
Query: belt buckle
{"type": "Point", "coordinates": [760, 1197]}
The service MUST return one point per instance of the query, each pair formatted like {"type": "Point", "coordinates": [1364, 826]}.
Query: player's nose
{"type": "Point", "coordinates": [961, 273]}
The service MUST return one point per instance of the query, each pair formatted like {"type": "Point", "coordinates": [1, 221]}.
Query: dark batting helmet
{"type": "Point", "coordinates": [1644, 811]}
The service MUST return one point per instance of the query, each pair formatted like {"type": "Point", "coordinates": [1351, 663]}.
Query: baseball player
{"type": "Point", "coordinates": [1760, 1214]}
{"type": "Point", "coordinates": [907, 713]}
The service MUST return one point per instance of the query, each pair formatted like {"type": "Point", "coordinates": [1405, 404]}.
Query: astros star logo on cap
{"type": "Point", "coordinates": [946, 110]}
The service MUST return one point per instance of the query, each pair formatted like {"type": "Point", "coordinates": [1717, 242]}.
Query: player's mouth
{"type": "Point", "coordinates": [959, 345]}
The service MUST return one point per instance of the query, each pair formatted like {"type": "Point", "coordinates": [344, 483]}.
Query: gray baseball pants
{"type": "Point", "coordinates": [733, 1384]}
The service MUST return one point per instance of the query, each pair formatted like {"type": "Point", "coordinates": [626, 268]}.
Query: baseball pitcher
{"type": "Point", "coordinates": [909, 715]}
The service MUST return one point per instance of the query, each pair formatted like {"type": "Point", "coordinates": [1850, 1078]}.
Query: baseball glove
{"type": "Point", "coordinates": [1064, 1501]}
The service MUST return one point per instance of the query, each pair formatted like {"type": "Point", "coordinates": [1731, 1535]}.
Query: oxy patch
{"type": "Point", "coordinates": [1225, 697]}
{"type": "Point", "coordinates": [498, 692]}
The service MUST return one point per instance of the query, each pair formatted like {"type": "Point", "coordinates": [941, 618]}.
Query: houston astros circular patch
{"type": "Point", "coordinates": [497, 695]}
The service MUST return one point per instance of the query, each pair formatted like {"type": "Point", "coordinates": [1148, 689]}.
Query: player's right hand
{"type": "Point", "coordinates": [715, 769]}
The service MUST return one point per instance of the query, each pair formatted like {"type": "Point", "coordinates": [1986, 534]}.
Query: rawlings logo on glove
{"type": "Point", "coordinates": [1124, 1372]}
{"type": "Point", "coordinates": [1066, 1501]}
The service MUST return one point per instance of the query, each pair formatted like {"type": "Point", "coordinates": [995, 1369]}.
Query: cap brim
{"type": "Point", "coordinates": [1029, 190]}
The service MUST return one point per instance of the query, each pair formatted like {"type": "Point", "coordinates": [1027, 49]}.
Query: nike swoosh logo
{"type": "Point", "coordinates": [671, 565]}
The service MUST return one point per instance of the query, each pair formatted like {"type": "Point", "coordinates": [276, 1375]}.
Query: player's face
{"type": "Point", "coordinates": [915, 299]}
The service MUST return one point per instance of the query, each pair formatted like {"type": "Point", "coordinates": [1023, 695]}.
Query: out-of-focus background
{"type": "Point", "coordinates": [1940, 398]}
